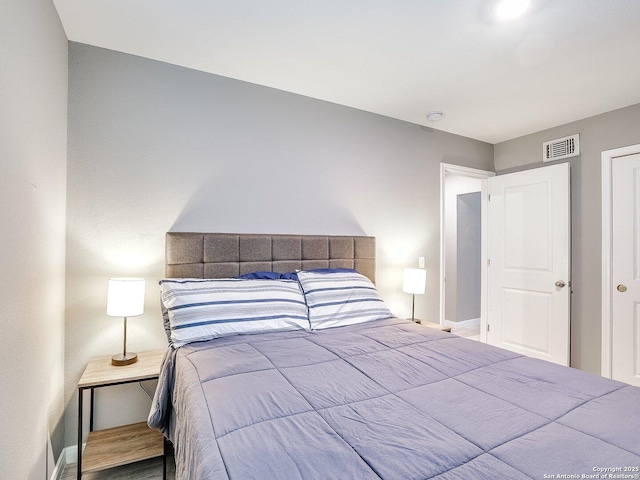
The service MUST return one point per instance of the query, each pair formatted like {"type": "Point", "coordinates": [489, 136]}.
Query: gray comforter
{"type": "Point", "coordinates": [388, 399]}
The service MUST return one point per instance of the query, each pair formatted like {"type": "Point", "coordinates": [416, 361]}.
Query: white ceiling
{"type": "Point", "coordinates": [495, 80]}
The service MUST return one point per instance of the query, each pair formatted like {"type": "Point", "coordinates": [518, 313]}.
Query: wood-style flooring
{"type": "Point", "coordinates": [144, 470]}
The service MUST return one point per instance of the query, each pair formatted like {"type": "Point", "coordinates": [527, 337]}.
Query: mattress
{"type": "Point", "coordinates": [388, 399]}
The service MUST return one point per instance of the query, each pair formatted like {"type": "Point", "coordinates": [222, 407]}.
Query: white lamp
{"type": "Point", "coordinates": [414, 282]}
{"type": "Point", "coordinates": [125, 298]}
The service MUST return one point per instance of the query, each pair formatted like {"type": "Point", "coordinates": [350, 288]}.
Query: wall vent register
{"type": "Point", "coordinates": [561, 148]}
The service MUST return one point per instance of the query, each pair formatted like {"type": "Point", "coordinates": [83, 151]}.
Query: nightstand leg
{"type": "Point", "coordinates": [164, 458]}
{"type": "Point", "coordinates": [79, 464]}
{"type": "Point", "coordinates": [91, 410]}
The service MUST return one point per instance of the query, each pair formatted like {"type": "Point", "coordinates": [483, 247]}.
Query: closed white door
{"type": "Point", "coordinates": [528, 271]}
{"type": "Point", "coordinates": [625, 333]}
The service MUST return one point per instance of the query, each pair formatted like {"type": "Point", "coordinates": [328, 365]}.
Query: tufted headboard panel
{"type": "Point", "coordinates": [223, 255]}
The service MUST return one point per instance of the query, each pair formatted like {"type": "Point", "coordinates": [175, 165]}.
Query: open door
{"type": "Point", "coordinates": [528, 263]}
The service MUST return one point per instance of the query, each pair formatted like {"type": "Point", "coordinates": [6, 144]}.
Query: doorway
{"type": "Point", "coordinates": [460, 252]}
{"type": "Point", "coordinates": [620, 264]}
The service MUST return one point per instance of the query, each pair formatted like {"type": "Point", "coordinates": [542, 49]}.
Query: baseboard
{"type": "Point", "coordinates": [58, 470]}
{"type": "Point", "coordinates": [463, 323]}
{"type": "Point", "coordinates": [71, 454]}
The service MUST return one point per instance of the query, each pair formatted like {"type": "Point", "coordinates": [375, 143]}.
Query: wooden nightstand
{"type": "Point", "coordinates": [437, 326]}
{"type": "Point", "coordinates": [120, 445]}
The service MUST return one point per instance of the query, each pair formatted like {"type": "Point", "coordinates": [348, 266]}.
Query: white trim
{"type": "Point", "coordinates": [472, 322]}
{"type": "Point", "coordinates": [607, 160]}
{"type": "Point", "coordinates": [58, 470]}
{"type": "Point", "coordinates": [447, 168]}
{"type": "Point", "coordinates": [465, 171]}
{"type": "Point", "coordinates": [71, 453]}
{"type": "Point", "coordinates": [484, 256]}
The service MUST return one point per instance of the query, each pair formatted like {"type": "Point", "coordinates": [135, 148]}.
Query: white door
{"type": "Point", "coordinates": [625, 177]}
{"type": "Point", "coordinates": [528, 249]}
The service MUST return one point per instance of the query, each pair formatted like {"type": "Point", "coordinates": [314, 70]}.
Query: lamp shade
{"type": "Point", "coordinates": [125, 297]}
{"type": "Point", "coordinates": [414, 281]}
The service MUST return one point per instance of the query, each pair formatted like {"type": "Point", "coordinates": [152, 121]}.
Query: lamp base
{"type": "Point", "coordinates": [121, 360]}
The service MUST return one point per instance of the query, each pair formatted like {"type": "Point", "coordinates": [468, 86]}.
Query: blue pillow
{"type": "Point", "coordinates": [262, 276]}
{"type": "Point", "coordinates": [289, 276]}
{"type": "Point", "coordinates": [292, 275]}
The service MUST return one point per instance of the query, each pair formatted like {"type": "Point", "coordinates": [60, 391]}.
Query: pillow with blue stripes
{"type": "Point", "coordinates": [341, 298]}
{"type": "Point", "coordinates": [201, 310]}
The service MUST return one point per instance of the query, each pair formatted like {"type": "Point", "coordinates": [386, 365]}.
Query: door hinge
{"type": "Point", "coordinates": [488, 327]}
{"type": "Point", "coordinates": [488, 197]}
{"type": "Point", "coordinates": [488, 262]}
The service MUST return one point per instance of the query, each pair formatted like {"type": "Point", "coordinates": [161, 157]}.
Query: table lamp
{"type": "Point", "coordinates": [414, 282]}
{"type": "Point", "coordinates": [125, 298]}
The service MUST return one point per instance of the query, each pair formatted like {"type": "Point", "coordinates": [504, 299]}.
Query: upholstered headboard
{"type": "Point", "coordinates": [222, 255]}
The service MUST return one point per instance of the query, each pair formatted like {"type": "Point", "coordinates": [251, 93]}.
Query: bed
{"type": "Point", "coordinates": [351, 399]}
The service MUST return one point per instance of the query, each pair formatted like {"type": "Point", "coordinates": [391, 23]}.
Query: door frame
{"type": "Point", "coordinates": [450, 169]}
{"type": "Point", "coordinates": [608, 157]}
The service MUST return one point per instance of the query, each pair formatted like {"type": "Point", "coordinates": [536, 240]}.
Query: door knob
{"type": "Point", "coordinates": [622, 288]}
{"type": "Point", "coordinates": [560, 284]}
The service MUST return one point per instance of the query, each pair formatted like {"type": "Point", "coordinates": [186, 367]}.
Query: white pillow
{"type": "Point", "coordinates": [205, 309]}
{"type": "Point", "coordinates": [337, 299]}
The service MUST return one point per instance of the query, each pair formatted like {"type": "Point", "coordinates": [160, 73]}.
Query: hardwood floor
{"type": "Point", "coordinates": [144, 470]}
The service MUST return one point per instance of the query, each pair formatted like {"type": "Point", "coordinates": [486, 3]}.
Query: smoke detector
{"type": "Point", "coordinates": [435, 116]}
{"type": "Point", "coordinates": [561, 148]}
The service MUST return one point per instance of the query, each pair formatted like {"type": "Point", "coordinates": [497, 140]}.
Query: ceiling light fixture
{"type": "Point", "coordinates": [435, 116]}
{"type": "Point", "coordinates": [510, 9]}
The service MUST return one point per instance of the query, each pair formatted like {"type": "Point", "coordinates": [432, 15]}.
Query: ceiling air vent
{"type": "Point", "coordinates": [561, 148]}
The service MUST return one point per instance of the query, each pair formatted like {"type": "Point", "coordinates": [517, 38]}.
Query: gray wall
{"type": "Point", "coordinates": [602, 132]}
{"type": "Point", "coordinates": [469, 256]}
{"type": "Point", "coordinates": [155, 147]}
{"type": "Point", "coordinates": [33, 138]}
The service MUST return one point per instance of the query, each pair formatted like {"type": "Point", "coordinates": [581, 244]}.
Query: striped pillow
{"type": "Point", "coordinates": [205, 309]}
{"type": "Point", "coordinates": [337, 299]}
